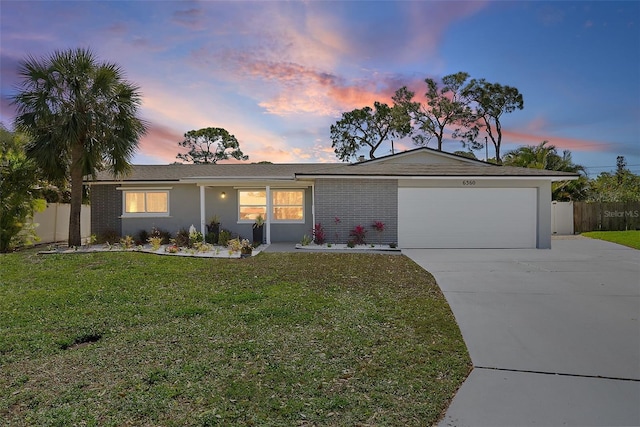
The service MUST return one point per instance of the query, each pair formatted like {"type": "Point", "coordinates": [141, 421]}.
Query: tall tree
{"type": "Point", "coordinates": [492, 100]}
{"type": "Point", "coordinates": [210, 145]}
{"type": "Point", "coordinates": [18, 187]}
{"type": "Point", "coordinates": [621, 186]}
{"type": "Point", "coordinates": [368, 127]}
{"type": "Point", "coordinates": [82, 117]}
{"type": "Point", "coordinates": [446, 107]}
{"type": "Point", "coordinates": [543, 156]}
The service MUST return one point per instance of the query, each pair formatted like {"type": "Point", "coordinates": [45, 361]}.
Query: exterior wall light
{"type": "Point", "coordinates": [223, 195]}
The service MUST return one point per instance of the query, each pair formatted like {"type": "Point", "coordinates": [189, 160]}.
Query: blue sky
{"type": "Point", "coordinates": [278, 74]}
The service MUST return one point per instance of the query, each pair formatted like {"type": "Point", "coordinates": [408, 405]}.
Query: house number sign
{"type": "Point", "coordinates": [469, 182]}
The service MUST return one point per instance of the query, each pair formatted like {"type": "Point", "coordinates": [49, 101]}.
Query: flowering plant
{"type": "Point", "coordinates": [318, 234]}
{"type": "Point", "coordinates": [358, 233]}
{"type": "Point", "coordinates": [378, 226]}
{"type": "Point", "coordinates": [234, 245]}
{"type": "Point", "coordinates": [245, 247]}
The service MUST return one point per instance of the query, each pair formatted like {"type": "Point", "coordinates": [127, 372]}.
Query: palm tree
{"type": "Point", "coordinates": [543, 156]}
{"type": "Point", "coordinates": [82, 117]}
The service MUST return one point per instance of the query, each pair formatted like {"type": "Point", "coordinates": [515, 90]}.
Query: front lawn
{"type": "Point", "coordinates": [630, 238]}
{"type": "Point", "coordinates": [276, 340]}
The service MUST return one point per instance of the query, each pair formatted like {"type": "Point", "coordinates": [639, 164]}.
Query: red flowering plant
{"type": "Point", "coordinates": [358, 233]}
{"type": "Point", "coordinates": [318, 234]}
{"type": "Point", "coordinates": [379, 227]}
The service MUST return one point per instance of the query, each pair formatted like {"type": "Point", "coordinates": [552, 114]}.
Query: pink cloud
{"type": "Point", "coordinates": [305, 89]}
{"type": "Point", "coordinates": [190, 18]}
{"type": "Point", "coordinates": [161, 143]}
{"type": "Point", "coordinates": [560, 142]}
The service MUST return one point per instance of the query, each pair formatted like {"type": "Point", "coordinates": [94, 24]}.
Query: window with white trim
{"type": "Point", "coordinates": [146, 202]}
{"type": "Point", "coordinates": [251, 203]}
{"type": "Point", "coordinates": [287, 205]}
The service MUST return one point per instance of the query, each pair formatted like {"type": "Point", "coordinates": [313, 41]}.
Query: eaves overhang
{"type": "Point", "coordinates": [552, 178]}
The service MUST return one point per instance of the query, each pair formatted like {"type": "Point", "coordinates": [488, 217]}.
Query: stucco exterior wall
{"type": "Point", "coordinates": [357, 202]}
{"type": "Point", "coordinates": [184, 211]}
{"type": "Point", "coordinates": [227, 211]}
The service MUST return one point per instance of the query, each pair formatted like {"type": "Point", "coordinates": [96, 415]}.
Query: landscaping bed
{"type": "Point", "coordinates": [123, 338]}
{"type": "Point", "coordinates": [202, 251]}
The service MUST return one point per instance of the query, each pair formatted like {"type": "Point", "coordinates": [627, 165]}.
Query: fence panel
{"type": "Point", "coordinates": [562, 218]}
{"type": "Point", "coordinates": [610, 216]}
{"type": "Point", "coordinates": [53, 222]}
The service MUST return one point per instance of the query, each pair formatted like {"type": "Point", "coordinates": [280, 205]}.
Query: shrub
{"type": "Point", "coordinates": [164, 235]}
{"type": "Point", "coordinates": [234, 245]}
{"type": "Point", "coordinates": [223, 238]}
{"type": "Point", "coordinates": [379, 227]}
{"type": "Point", "coordinates": [142, 237]}
{"type": "Point", "coordinates": [305, 240]}
{"type": "Point", "coordinates": [351, 244]}
{"type": "Point", "coordinates": [108, 236]}
{"type": "Point", "coordinates": [127, 242]}
{"type": "Point", "coordinates": [195, 238]}
{"type": "Point", "coordinates": [155, 242]}
{"type": "Point", "coordinates": [358, 233]}
{"type": "Point", "coordinates": [182, 238]}
{"type": "Point", "coordinates": [318, 234]}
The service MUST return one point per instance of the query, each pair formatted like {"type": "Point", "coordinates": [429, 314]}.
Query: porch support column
{"type": "Point", "coordinates": [313, 207]}
{"type": "Point", "coordinates": [268, 215]}
{"type": "Point", "coordinates": [202, 213]}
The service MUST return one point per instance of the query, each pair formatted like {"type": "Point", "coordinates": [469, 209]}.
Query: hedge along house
{"type": "Point", "coordinates": [425, 198]}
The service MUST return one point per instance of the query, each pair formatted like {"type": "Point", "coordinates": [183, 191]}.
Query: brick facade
{"type": "Point", "coordinates": [106, 209]}
{"type": "Point", "coordinates": [357, 202]}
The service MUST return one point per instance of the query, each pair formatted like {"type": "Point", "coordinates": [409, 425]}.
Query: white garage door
{"type": "Point", "coordinates": [467, 217]}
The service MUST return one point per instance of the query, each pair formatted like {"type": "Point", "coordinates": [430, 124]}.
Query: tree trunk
{"type": "Point", "coordinates": [499, 142]}
{"type": "Point", "coordinates": [75, 238]}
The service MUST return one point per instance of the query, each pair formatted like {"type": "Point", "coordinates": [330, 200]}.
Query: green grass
{"type": "Point", "coordinates": [630, 238]}
{"type": "Point", "coordinates": [116, 339]}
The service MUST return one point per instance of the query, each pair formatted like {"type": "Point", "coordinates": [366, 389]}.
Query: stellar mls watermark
{"type": "Point", "coordinates": [621, 214]}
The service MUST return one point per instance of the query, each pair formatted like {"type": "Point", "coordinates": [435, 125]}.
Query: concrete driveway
{"type": "Point", "coordinates": [554, 335]}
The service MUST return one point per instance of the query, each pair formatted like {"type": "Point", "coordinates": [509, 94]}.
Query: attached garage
{"type": "Point", "coordinates": [467, 217]}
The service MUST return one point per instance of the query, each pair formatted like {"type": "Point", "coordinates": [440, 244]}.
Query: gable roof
{"type": "Point", "coordinates": [426, 150]}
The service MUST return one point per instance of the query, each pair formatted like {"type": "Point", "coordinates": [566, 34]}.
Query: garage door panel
{"type": "Point", "coordinates": [467, 217]}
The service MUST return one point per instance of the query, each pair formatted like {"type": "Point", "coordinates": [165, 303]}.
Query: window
{"type": "Point", "coordinates": [286, 205]}
{"type": "Point", "coordinates": [251, 204]}
{"type": "Point", "coordinates": [146, 203]}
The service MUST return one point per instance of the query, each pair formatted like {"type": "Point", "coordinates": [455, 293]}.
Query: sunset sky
{"type": "Point", "coordinates": [277, 74]}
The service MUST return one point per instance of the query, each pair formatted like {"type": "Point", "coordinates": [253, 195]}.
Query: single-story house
{"type": "Point", "coordinates": [425, 198]}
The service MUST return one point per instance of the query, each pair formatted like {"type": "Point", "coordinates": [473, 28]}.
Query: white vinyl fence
{"type": "Point", "coordinates": [562, 218]}
{"type": "Point", "coordinates": [52, 225]}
